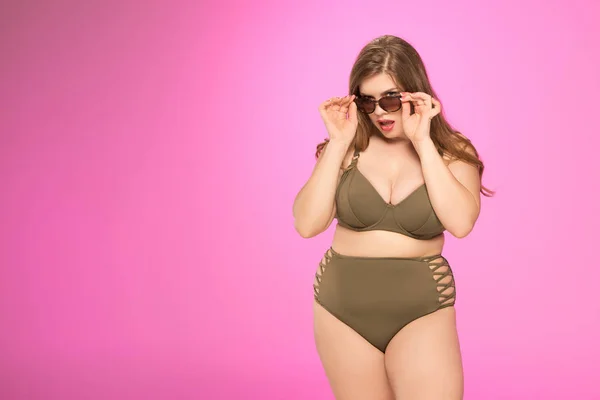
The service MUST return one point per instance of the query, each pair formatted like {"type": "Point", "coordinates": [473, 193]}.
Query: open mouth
{"type": "Point", "coordinates": [386, 125]}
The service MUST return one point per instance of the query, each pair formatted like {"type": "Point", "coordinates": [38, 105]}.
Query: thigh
{"type": "Point", "coordinates": [355, 368]}
{"type": "Point", "coordinates": [423, 360]}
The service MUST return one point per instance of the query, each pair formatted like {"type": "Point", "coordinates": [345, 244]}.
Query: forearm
{"type": "Point", "coordinates": [455, 206]}
{"type": "Point", "coordinates": [314, 205]}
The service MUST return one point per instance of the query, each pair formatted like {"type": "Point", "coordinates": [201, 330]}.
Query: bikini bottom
{"type": "Point", "coordinates": [378, 296]}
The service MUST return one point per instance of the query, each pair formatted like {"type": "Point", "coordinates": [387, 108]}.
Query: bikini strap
{"type": "Point", "coordinates": [354, 158]}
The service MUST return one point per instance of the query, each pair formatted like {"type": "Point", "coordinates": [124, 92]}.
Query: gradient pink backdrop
{"type": "Point", "coordinates": [150, 153]}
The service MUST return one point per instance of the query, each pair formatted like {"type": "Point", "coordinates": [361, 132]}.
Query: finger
{"type": "Point", "coordinates": [343, 103]}
{"type": "Point", "coordinates": [416, 101]}
{"type": "Point", "coordinates": [437, 108]}
{"type": "Point", "coordinates": [350, 99]}
{"type": "Point", "coordinates": [405, 106]}
{"type": "Point", "coordinates": [327, 103]}
{"type": "Point", "coordinates": [333, 100]}
{"type": "Point", "coordinates": [352, 113]}
{"type": "Point", "coordinates": [339, 100]}
{"type": "Point", "coordinates": [422, 99]}
{"type": "Point", "coordinates": [421, 96]}
{"type": "Point", "coordinates": [406, 98]}
{"type": "Point", "coordinates": [346, 102]}
{"type": "Point", "coordinates": [323, 104]}
{"type": "Point", "coordinates": [323, 108]}
{"type": "Point", "coordinates": [333, 104]}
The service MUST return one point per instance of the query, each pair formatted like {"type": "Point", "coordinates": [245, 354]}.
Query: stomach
{"type": "Point", "coordinates": [383, 244]}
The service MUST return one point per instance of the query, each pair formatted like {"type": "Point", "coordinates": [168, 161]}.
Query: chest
{"type": "Point", "coordinates": [392, 179]}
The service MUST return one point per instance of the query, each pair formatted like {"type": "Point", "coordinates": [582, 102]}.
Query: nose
{"type": "Point", "coordinates": [378, 110]}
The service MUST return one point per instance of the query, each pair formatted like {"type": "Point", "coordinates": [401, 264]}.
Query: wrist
{"type": "Point", "coordinates": [423, 144]}
{"type": "Point", "coordinates": [339, 143]}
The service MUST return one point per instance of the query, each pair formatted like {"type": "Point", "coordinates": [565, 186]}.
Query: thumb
{"type": "Point", "coordinates": [352, 113]}
{"type": "Point", "coordinates": [405, 109]}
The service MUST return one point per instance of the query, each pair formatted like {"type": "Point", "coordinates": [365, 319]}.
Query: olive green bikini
{"type": "Point", "coordinates": [378, 296]}
{"type": "Point", "coordinates": [361, 208]}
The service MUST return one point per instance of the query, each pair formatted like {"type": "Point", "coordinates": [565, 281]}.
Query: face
{"type": "Point", "coordinates": [380, 86]}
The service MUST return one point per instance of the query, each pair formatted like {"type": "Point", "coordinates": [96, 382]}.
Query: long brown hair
{"type": "Point", "coordinates": [399, 59]}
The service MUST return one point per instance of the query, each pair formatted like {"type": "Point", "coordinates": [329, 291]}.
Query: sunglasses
{"type": "Point", "coordinates": [387, 103]}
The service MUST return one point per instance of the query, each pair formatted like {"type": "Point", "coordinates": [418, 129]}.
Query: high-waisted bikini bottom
{"type": "Point", "coordinates": [378, 296]}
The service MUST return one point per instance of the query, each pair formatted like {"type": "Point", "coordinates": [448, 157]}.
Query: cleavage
{"type": "Point", "coordinates": [407, 182]}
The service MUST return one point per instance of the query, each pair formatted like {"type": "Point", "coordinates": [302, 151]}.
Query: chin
{"type": "Point", "coordinates": [392, 135]}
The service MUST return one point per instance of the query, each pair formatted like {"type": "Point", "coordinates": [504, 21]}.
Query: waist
{"type": "Point", "coordinates": [384, 244]}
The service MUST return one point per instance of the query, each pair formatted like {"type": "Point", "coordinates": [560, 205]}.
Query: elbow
{"type": "Point", "coordinates": [462, 231]}
{"type": "Point", "coordinates": [304, 231]}
{"type": "Point", "coordinates": [460, 234]}
{"type": "Point", "coordinates": [462, 227]}
{"type": "Point", "coordinates": [306, 234]}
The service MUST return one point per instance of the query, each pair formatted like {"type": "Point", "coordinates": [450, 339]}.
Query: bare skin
{"type": "Point", "coordinates": [423, 360]}
{"type": "Point", "coordinates": [394, 171]}
{"type": "Point", "coordinates": [426, 347]}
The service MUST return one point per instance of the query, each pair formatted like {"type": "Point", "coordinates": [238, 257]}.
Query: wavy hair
{"type": "Point", "coordinates": [399, 59]}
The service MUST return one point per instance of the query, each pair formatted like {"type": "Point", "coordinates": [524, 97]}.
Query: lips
{"type": "Point", "coordinates": [386, 124]}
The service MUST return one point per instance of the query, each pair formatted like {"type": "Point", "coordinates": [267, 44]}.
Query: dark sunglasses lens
{"type": "Point", "coordinates": [390, 104]}
{"type": "Point", "coordinates": [365, 105]}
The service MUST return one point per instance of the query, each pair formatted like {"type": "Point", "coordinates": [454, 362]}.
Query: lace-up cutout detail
{"type": "Point", "coordinates": [319, 275]}
{"type": "Point", "coordinates": [442, 274]}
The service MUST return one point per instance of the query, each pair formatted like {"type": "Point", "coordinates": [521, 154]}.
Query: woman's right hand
{"type": "Point", "coordinates": [339, 116]}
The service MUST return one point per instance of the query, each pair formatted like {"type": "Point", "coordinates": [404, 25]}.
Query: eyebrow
{"type": "Point", "coordinates": [382, 94]}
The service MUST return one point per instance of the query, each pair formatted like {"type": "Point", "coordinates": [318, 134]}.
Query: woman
{"type": "Point", "coordinates": [395, 175]}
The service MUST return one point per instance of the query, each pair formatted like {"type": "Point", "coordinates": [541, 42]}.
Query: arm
{"type": "Point", "coordinates": [314, 206]}
{"type": "Point", "coordinates": [453, 189]}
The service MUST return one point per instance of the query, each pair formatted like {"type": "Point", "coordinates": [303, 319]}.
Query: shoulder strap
{"type": "Point", "coordinates": [355, 158]}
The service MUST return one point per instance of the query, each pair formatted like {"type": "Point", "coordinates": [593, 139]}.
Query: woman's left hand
{"type": "Point", "coordinates": [416, 126]}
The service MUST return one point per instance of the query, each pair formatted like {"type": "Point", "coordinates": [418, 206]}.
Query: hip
{"type": "Point", "coordinates": [374, 282]}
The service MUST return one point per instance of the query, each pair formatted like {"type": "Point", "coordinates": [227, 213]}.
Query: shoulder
{"type": "Point", "coordinates": [463, 145]}
{"type": "Point", "coordinates": [345, 161]}
{"type": "Point", "coordinates": [348, 158]}
{"type": "Point", "coordinates": [466, 171]}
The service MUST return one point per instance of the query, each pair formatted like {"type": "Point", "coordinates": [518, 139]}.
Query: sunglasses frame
{"type": "Point", "coordinates": [376, 102]}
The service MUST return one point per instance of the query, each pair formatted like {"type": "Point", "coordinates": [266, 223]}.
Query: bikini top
{"type": "Point", "coordinates": [361, 208]}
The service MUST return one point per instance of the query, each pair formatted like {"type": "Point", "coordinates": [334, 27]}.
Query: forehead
{"type": "Point", "coordinates": [377, 85]}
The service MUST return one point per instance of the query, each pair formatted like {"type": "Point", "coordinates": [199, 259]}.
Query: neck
{"type": "Point", "coordinates": [399, 143]}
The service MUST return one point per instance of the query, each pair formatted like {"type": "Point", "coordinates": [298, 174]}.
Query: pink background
{"type": "Point", "coordinates": [150, 153]}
